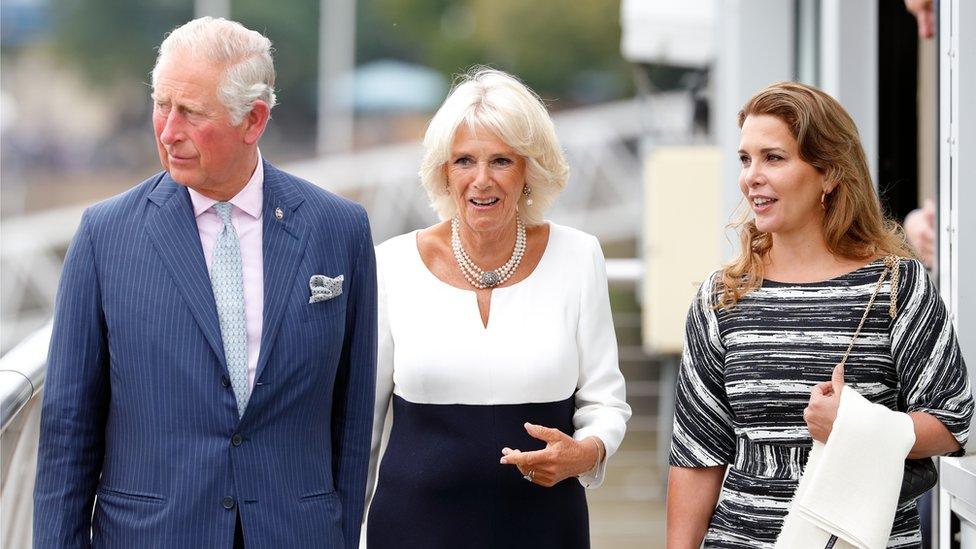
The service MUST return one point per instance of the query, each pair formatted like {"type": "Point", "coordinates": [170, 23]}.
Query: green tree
{"type": "Point", "coordinates": [111, 40]}
{"type": "Point", "coordinates": [292, 26]}
{"type": "Point", "coordinates": [565, 49]}
{"type": "Point", "coordinates": [559, 47]}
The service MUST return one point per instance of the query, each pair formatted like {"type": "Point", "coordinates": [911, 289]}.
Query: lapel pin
{"type": "Point", "coordinates": [279, 214]}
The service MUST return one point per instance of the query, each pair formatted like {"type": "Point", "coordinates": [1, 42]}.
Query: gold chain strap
{"type": "Point", "coordinates": [891, 264]}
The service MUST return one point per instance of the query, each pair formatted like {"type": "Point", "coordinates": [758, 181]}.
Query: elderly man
{"type": "Point", "coordinates": [211, 373]}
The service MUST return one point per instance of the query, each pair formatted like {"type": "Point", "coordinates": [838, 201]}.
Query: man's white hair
{"type": "Point", "coordinates": [501, 104]}
{"type": "Point", "coordinates": [244, 54]}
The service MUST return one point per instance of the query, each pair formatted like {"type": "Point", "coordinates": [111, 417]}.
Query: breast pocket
{"type": "Point", "coordinates": [329, 310]}
{"type": "Point", "coordinates": [323, 295]}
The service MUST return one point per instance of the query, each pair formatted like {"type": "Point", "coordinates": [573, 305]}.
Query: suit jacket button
{"type": "Point", "coordinates": [236, 440]}
{"type": "Point", "coordinates": [228, 503]}
{"type": "Point", "coordinates": [225, 381]}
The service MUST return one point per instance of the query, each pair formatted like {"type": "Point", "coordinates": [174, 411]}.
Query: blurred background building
{"type": "Point", "coordinates": [644, 94]}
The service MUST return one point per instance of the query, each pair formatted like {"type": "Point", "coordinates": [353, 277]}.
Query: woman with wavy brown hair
{"type": "Point", "coordinates": [765, 333]}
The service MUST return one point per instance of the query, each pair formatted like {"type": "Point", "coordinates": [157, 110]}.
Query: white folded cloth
{"type": "Point", "coordinates": [850, 486]}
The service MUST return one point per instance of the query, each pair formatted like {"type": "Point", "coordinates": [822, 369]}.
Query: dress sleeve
{"type": "Point", "coordinates": [601, 408]}
{"type": "Point", "coordinates": [931, 371]}
{"type": "Point", "coordinates": [702, 435]}
{"type": "Point", "coordinates": [384, 379]}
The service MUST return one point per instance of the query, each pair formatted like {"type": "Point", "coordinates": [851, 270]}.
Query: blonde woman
{"type": "Point", "coordinates": [497, 347]}
{"type": "Point", "coordinates": [764, 334]}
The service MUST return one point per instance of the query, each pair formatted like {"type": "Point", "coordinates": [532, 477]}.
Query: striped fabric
{"type": "Point", "coordinates": [138, 405]}
{"type": "Point", "coordinates": [746, 375]}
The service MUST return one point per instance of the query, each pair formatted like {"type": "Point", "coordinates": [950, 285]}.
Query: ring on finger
{"type": "Point", "coordinates": [530, 476]}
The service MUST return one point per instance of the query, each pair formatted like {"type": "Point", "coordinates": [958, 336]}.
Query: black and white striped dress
{"type": "Point", "coordinates": [746, 375]}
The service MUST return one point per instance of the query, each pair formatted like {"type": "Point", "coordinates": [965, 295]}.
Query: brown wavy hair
{"type": "Point", "coordinates": [827, 139]}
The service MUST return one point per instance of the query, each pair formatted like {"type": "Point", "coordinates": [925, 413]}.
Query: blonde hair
{"type": "Point", "coordinates": [245, 54]}
{"type": "Point", "coordinates": [501, 104]}
{"type": "Point", "coordinates": [827, 139]}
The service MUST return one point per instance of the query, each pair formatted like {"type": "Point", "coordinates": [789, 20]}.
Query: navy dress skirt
{"type": "Point", "coordinates": [441, 484]}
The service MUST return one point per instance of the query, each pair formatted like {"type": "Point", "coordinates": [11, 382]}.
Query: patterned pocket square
{"type": "Point", "coordinates": [324, 288]}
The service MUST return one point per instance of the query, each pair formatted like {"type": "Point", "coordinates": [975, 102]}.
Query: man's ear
{"type": "Point", "coordinates": [256, 121]}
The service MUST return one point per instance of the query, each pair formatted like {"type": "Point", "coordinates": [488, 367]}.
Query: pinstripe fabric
{"type": "Point", "coordinates": [138, 407]}
{"type": "Point", "coordinates": [746, 375]}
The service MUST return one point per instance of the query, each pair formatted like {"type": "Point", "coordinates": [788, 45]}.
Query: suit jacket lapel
{"type": "Point", "coordinates": [283, 245]}
{"type": "Point", "coordinates": [173, 231]}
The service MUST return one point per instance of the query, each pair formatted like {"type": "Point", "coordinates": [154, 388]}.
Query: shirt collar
{"type": "Point", "coordinates": [249, 200]}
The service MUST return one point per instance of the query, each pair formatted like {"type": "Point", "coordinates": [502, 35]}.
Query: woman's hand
{"type": "Point", "coordinates": [821, 412]}
{"type": "Point", "coordinates": [920, 230]}
{"type": "Point", "coordinates": [563, 456]}
{"type": "Point", "coordinates": [924, 15]}
{"type": "Point", "coordinates": [932, 438]}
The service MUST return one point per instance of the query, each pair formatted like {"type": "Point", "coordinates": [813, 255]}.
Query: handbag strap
{"type": "Point", "coordinates": [891, 265]}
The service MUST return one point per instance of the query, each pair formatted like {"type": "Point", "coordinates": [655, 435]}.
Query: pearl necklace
{"type": "Point", "coordinates": [478, 277]}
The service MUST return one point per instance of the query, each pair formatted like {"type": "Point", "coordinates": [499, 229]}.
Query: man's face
{"type": "Point", "coordinates": [196, 141]}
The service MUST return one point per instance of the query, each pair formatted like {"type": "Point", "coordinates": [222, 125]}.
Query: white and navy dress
{"type": "Point", "coordinates": [746, 376]}
{"type": "Point", "coordinates": [462, 391]}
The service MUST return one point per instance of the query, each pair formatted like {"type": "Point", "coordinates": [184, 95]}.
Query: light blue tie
{"type": "Point", "coordinates": [227, 279]}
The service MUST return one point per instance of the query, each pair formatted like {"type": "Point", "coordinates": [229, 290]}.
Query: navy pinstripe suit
{"type": "Point", "coordinates": [137, 407]}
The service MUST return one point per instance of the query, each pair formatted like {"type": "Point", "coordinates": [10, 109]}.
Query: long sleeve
{"type": "Point", "coordinates": [76, 399]}
{"type": "Point", "coordinates": [703, 434]}
{"type": "Point", "coordinates": [601, 407]}
{"type": "Point", "coordinates": [930, 366]}
{"type": "Point", "coordinates": [384, 380]}
{"type": "Point", "coordinates": [352, 418]}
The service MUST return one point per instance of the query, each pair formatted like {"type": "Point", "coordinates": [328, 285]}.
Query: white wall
{"type": "Point", "coordinates": [755, 48]}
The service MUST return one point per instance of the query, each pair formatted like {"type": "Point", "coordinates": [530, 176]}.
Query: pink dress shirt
{"type": "Point", "coordinates": [246, 218]}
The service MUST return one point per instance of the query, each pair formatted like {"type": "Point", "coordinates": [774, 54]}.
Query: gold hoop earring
{"type": "Point", "coordinates": [823, 199]}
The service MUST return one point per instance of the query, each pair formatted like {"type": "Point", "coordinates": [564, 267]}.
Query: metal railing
{"type": "Point", "coordinates": [22, 374]}
{"type": "Point", "coordinates": [603, 198]}
{"type": "Point", "coordinates": [23, 368]}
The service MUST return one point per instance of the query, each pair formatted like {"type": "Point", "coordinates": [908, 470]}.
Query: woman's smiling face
{"type": "Point", "coordinates": [485, 177]}
{"type": "Point", "coordinates": [782, 189]}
